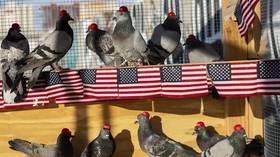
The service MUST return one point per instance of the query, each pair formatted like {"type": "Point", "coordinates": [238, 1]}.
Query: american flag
{"type": "Point", "coordinates": [65, 86]}
{"type": "Point", "coordinates": [35, 97]}
{"type": "Point", "coordinates": [99, 84]}
{"type": "Point", "coordinates": [244, 14]}
{"type": "Point", "coordinates": [183, 81]}
{"type": "Point", "coordinates": [268, 77]}
{"type": "Point", "coordinates": [138, 83]}
{"type": "Point", "coordinates": [234, 79]}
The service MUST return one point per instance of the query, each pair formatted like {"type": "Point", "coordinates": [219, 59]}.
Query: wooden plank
{"type": "Point", "coordinates": [174, 117]}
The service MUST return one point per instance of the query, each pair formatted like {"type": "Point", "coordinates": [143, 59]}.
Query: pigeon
{"type": "Point", "coordinates": [63, 147]}
{"type": "Point", "coordinates": [205, 138]}
{"type": "Point", "coordinates": [102, 146]}
{"type": "Point", "coordinates": [199, 52]}
{"type": "Point", "coordinates": [49, 52]}
{"type": "Point", "coordinates": [128, 41]}
{"type": "Point", "coordinates": [100, 42]}
{"type": "Point", "coordinates": [232, 146]}
{"type": "Point", "coordinates": [165, 39]}
{"type": "Point", "coordinates": [14, 47]}
{"type": "Point", "coordinates": [157, 145]}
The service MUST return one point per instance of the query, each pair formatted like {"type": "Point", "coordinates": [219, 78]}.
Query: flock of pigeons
{"type": "Point", "coordinates": [152, 143]}
{"type": "Point", "coordinates": [122, 46]}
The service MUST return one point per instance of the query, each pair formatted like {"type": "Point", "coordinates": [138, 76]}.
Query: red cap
{"type": "Point", "coordinates": [15, 26]}
{"type": "Point", "coordinates": [62, 12]}
{"type": "Point", "coordinates": [146, 114]}
{"type": "Point", "coordinates": [107, 126]}
{"type": "Point", "coordinates": [237, 127]}
{"type": "Point", "coordinates": [123, 9]}
{"type": "Point", "coordinates": [92, 26]}
{"type": "Point", "coordinates": [200, 124]}
{"type": "Point", "coordinates": [191, 36]}
{"type": "Point", "coordinates": [65, 131]}
{"type": "Point", "coordinates": [171, 13]}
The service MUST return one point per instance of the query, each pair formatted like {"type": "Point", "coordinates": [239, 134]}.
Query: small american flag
{"type": "Point", "coordinates": [99, 84]}
{"type": "Point", "coordinates": [138, 83]}
{"type": "Point", "coordinates": [244, 14]}
{"type": "Point", "coordinates": [234, 79]}
{"type": "Point", "coordinates": [268, 77]}
{"type": "Point", "coordinates": [65, 86]}
{"type": "Point", "coordinates": [183, 81]}
{"type": "Point", "coordinates": [36, 96]}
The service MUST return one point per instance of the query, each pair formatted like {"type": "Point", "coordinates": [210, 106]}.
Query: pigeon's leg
{"type": "Point", "coordinates": [124, 63]}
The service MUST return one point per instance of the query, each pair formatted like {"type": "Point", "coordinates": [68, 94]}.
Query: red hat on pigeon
{"type": "Point", "coordinates": [171, 13]}
{"type": "Point", "coordinates": [92, 26]}
{"type": "Point", "coordinates": [107, 126]}
{"type": "Point", "coordinates": [200, 124]}
{"type": "Point", "coordinates": [15, 26]}
{"type": "Point", "coordinates": [123, 9]}
{"type": "Point", "coordinates": [62, 12]}
{"type": "Point", "coordinates": [146, 114]}
{"type": "Point", "coordinates": [237, 127]}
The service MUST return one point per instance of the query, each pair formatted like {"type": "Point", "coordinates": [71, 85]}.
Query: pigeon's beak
{"type": "Point", "coordinates": [114, 18]}
{"type": "Point", "coordinates": [136, 122]}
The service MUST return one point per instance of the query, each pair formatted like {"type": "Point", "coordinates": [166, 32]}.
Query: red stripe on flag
{"type": "Point", "coordinates": [243, 80]}
{"type": "Point", "coordinates": [194, 83]}
{"type": "Point", "coordinates": [148, 85]}
{"type": "Point", "coordinates": [71, 89]}
{"type": "Point", "coordinates": [105, 88]}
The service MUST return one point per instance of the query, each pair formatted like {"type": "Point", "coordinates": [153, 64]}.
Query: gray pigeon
{"type": "Point", "coordinates": [102, 146]}
{"type": "Point", "coordinates": [205, 138]}
{"type": "Point", "coordinates": [14, 47]}
{"type": "Point", "coordinates": [128, 41]}
{"type": "Point", "coordinates": [232, 146]}
{"type": "Point", "coordinates": [63, 147]}
{"type": "Point", "coordinates": [55, 46]}
{"type": "Point", "coordinates": [165, 39]}
{"type": "Point", "coordinates": [199, 52]}
{"type": "Point", "coordinates": [156, 145]}
{"type": "Point", "coordinates": [101, 43]}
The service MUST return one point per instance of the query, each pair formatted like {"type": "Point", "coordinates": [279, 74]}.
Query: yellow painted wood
{"type": "Point", "coordinates": [175, 118]}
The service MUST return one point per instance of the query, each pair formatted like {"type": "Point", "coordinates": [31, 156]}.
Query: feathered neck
{"type": "Point", "coordinates": [124, 27]}
{"type": "Point", "coordinates": [14, 36]}
{"type": "Point", "coordinates": [63, 25]}
{"type": "Point", "coordinates": [172, 23]}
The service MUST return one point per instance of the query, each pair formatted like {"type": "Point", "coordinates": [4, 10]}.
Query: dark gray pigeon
{"type": "Point", "coordinates": [63, 147]}
{"type": "Point", "coordinates": [205, 138]}
{"type": "Point", "coordinates": [165, 39]}
{"type": "Point", "coordinates": [14, 47]}
{"type": "Point", "coordinates": [102, 146]}
{"type": "Point", "coordinates": [101, 43]}
{"type": "Point", "coordinates": [128, 41]}
{"type": "Point", "coordinates": [199, 52]}
{"type": "Point", "coordinates": [156, 145]}
{"type": "Point", "coordinates": [55, 46]}
{"type": "Point", "coordinates": [232, 146]}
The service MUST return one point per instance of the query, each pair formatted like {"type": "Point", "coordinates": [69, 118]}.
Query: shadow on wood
{"type": "Point", "coordinates": [124, 146]}
{"type": "Point", "coordinates": [157, 127]}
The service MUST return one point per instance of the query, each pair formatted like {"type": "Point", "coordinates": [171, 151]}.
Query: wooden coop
{"type": "Point", "coordinates": [175, 118]}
